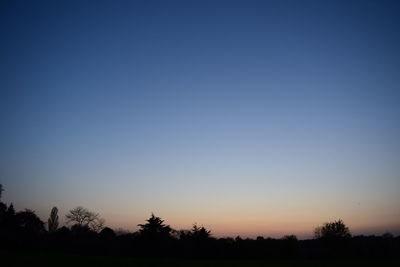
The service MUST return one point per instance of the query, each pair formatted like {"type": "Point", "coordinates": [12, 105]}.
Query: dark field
{"type": "Point", "coordinates": [53, 259]}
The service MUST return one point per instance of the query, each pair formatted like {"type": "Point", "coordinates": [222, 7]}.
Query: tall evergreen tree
{"type": "Point", "coordinates": [155, 228]}
{"type": "Point", "coordinates": [53, 220]}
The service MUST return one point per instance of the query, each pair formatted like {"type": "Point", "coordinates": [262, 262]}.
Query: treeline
{"type": "Point", "coordinates": [86, 234]}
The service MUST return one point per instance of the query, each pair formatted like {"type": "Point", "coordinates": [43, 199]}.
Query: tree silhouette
{"type": "Point", "coordinates": [107, 233]}
{"type": "Point", "coordinates": [3, 208]}
{"type": "Point", "coordinates": [8, 220]}
{"type": "Point", "coordinates": [1, 190]}
{"type": "Point", "coordinates": [199, 233]}
{"type": "Point", "coordinates": [330, 230]}
{"type": "Point", "coordinates": [24, 230]}
{"type": "Point", "coordinates": [154, 228]}
{"type": "Point", "coordinates": [29, 221]}
{"type": "Point", "coordinates": [52, 222]}
{"type": "Point", "coordinates": [11, 210]}
{"type": "Point", "coordinates": [82, 217]}
{"type": "Point", "coordinates": [289, 238]}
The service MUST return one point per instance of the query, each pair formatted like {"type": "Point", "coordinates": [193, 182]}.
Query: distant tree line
{"type": "Point", "coordinates": [86, 233]}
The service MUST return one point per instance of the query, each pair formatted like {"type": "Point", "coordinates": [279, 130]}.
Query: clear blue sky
{"type": "Point", "coordinates": [250, 117]}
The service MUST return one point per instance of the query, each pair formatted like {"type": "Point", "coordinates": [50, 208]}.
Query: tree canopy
{"type": "Point", "coordinates": [82, 217]}
{"type": "Point", "coordinates": [29, 221]}
{"type": "Point", "coordinates": [155, 228]}
{"type": "Point", "coordinates": [335, 229]}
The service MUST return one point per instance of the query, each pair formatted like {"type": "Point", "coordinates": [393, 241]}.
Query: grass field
{"type": "Point", "coordinates": [50, 259]}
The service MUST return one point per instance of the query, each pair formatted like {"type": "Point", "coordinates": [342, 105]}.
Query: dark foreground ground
{"type": "Point", "coordinates": [53, 259]}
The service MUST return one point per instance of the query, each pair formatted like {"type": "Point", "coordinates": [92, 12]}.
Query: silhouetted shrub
{"type": "Point", "coordinates": [336, 229]}
{"type": "Point", "coordinates": [107, 234]}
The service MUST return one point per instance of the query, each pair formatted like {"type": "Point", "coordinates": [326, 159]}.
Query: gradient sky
{"type": "Point", "coordinates": [249, 117]}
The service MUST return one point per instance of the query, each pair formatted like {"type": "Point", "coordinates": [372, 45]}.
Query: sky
{"type": "Point", "coordinates": [248, 117]}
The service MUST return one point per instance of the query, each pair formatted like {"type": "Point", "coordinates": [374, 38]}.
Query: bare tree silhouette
{"type": "Point", "coordinates": [82, 217]}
